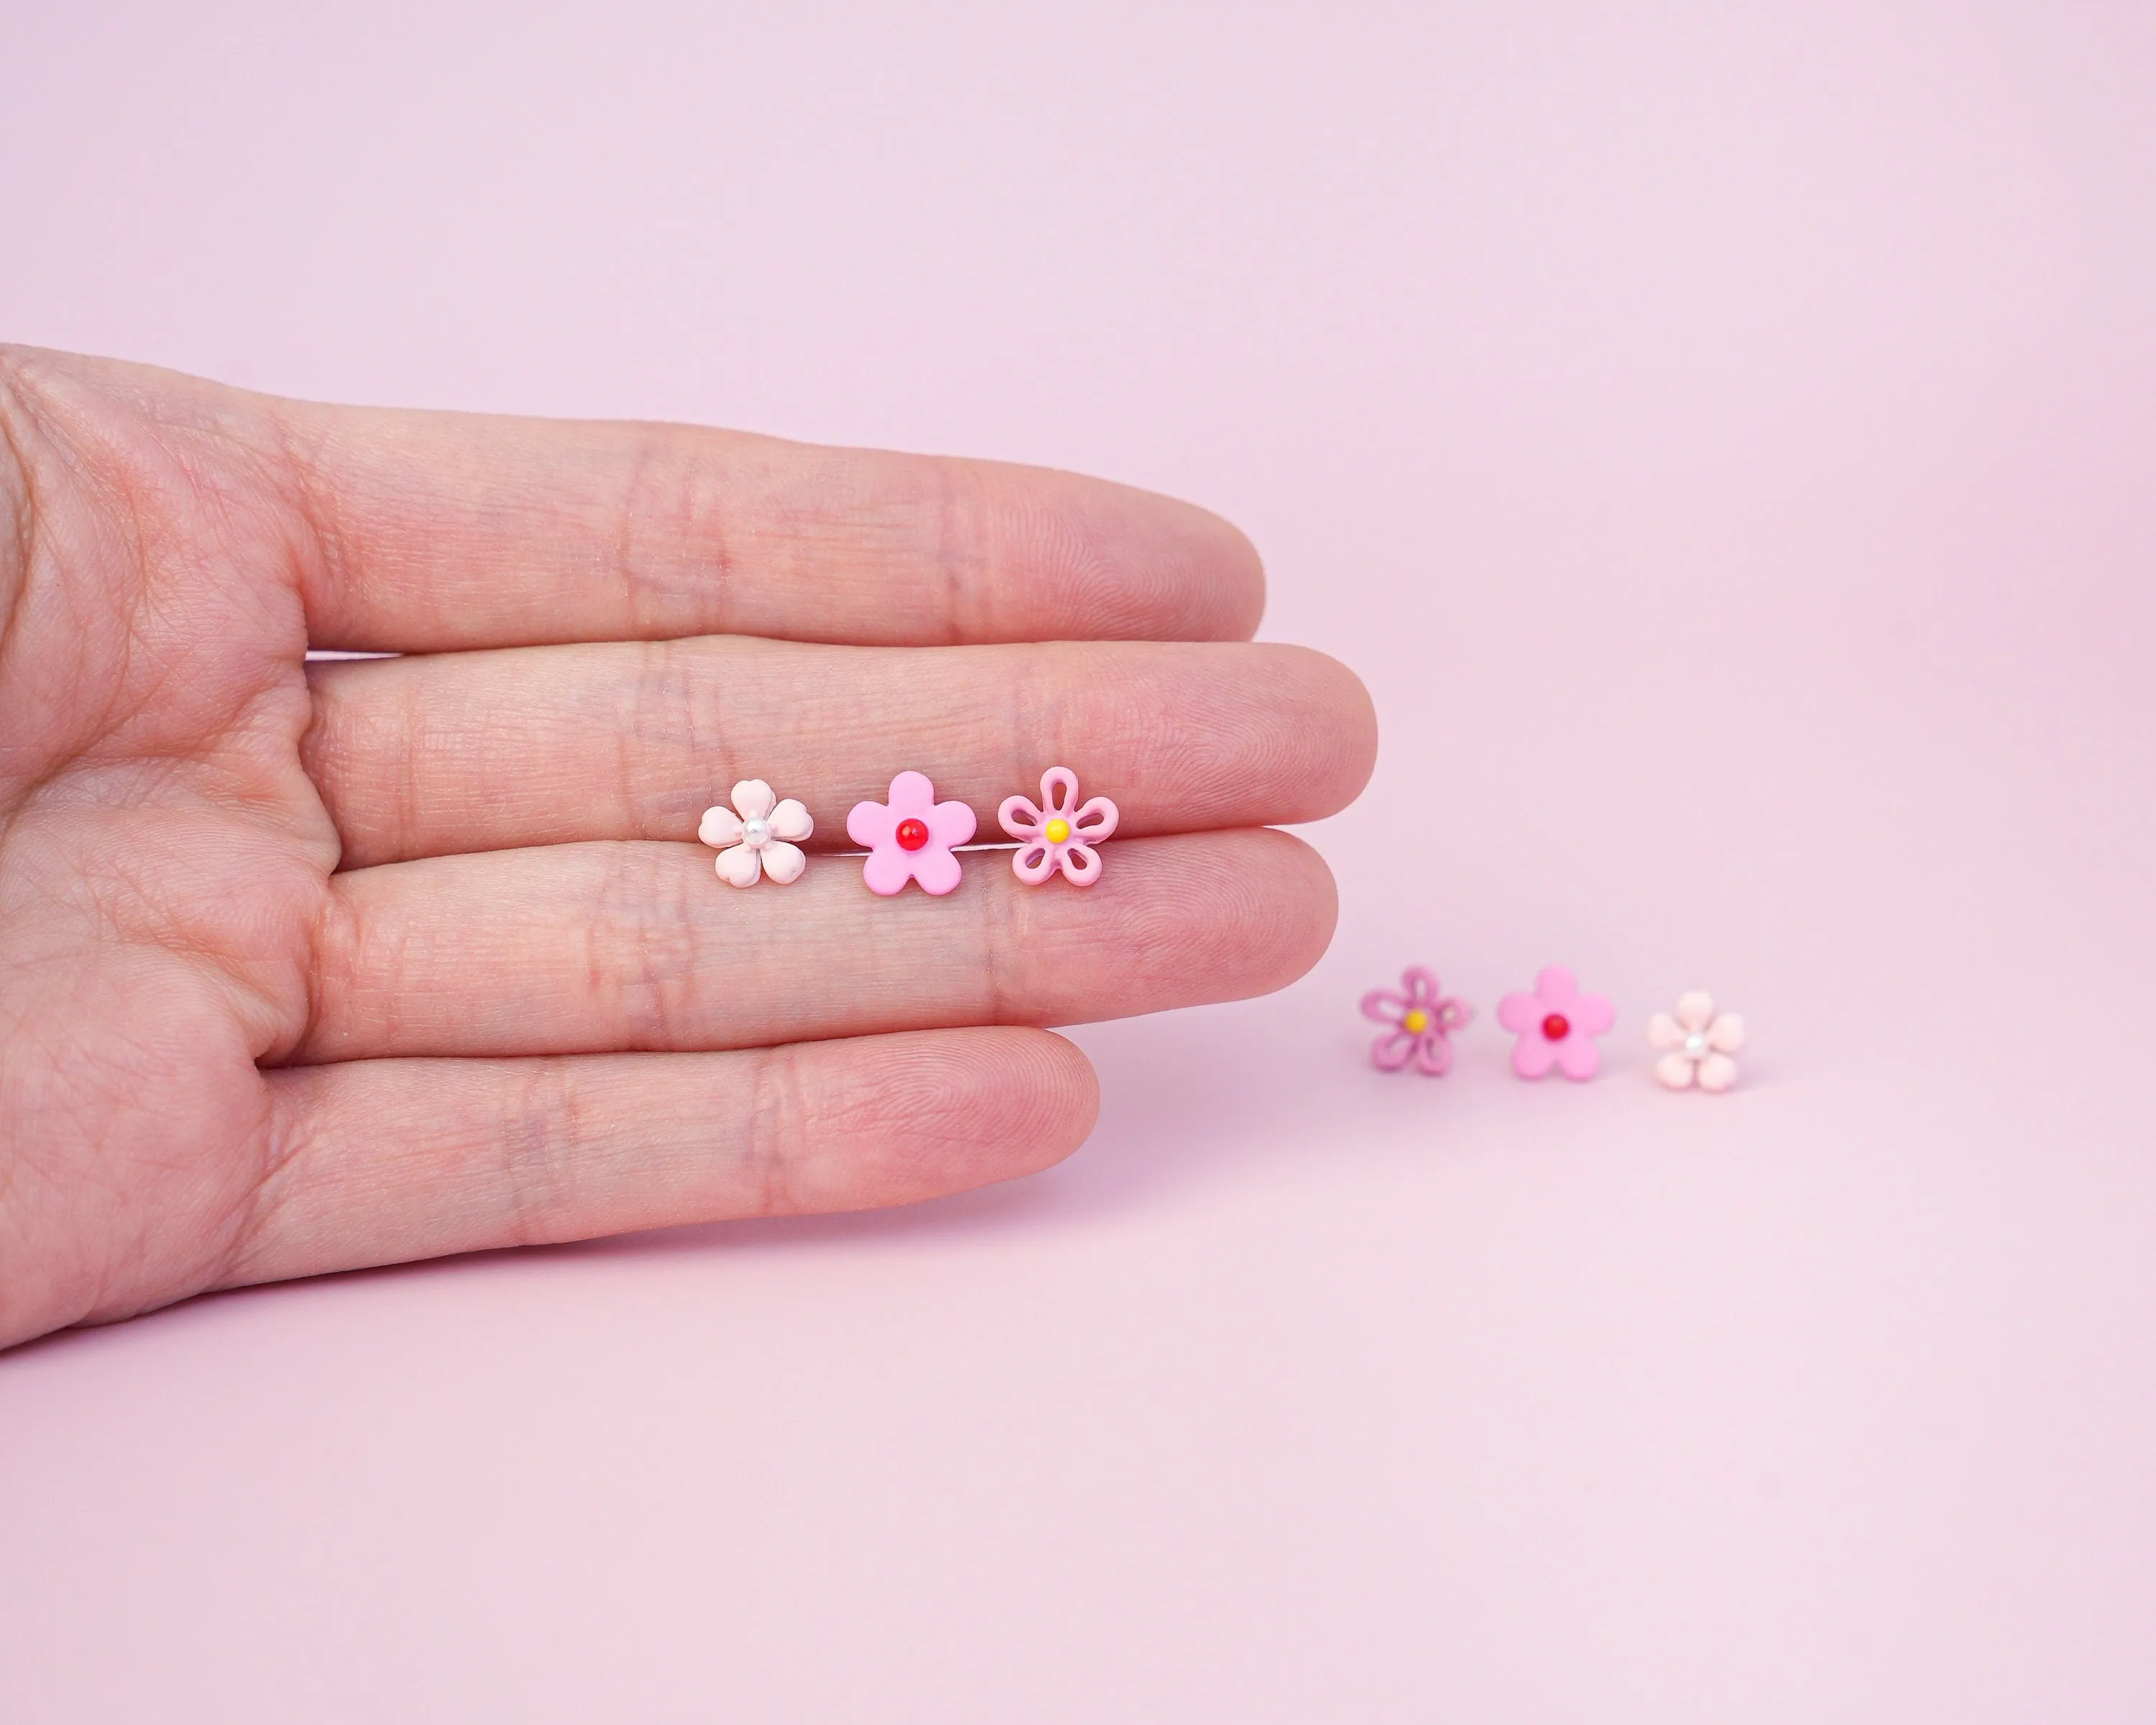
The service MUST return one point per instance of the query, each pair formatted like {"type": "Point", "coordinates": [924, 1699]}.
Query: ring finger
{"type": "Point", "coordinates": [578, 948]}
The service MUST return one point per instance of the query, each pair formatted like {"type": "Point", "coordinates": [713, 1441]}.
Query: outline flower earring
{"type": "Point", "coordinates": [1423, 1020]}
{"type": "Point", "coordinates": [1059, 834]}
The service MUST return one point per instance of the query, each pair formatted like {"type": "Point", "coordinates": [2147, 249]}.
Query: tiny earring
{"type": "Point", "coordinates": [759, 835]}
{"type": "Point", "coordinates": [1060, 834]}
{"type": "Point", "coordinates": [1557, 1026]}
{"type": "Point", "coordinates": [1700, 1041]}
{"type": "Point", "coordinates": [910, 837]}
{"type": "Point", "coordinates": [1423, 1020]}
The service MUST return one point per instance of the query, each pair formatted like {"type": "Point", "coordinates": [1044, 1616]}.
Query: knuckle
{"type": "Point", "coordinates": [541, 1132]}
{"type": "Point", "coordinates": [777, 1143]}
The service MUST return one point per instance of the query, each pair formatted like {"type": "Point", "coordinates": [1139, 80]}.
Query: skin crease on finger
{"type": "Point", "coordinates": [169, 884]}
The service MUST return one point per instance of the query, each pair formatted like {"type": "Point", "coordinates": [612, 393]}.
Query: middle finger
{"type": "Point", "coordinates": [487, 750]}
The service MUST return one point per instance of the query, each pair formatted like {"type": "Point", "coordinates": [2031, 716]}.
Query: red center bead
{"type": "Point", "coordinates": [912, 834]}
{"type": "Point", "coordinates": [1557, 1026]}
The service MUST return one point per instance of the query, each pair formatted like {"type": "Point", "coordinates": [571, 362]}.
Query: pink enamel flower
{"type": "Point", "coordinates": [910, 837]}
{"type": "Point", "coordinates": [1700, 1041]}
{"type": "Point", "coordinates": [1557, 1025]}
{"type": "Point", "coordinates": [1422, 1020]}
{"type": "Point", "coordinates": [758, 836]}
{"type": "Point", "coordinates": [1060, 834]}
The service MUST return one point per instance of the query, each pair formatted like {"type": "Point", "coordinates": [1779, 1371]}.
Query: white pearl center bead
{"type": "Point", "coordinates": [755, 832]}
{"type": "Point", "coordinates": [1695, 1046]}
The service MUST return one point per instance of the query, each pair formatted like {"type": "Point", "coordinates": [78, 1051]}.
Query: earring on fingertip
{"type": "Point", "coordinates": [759, 835]}
{"type": "Point", "coordinates": [1060, 832]}
{"type": "Point", "coordinates": [910, 837]}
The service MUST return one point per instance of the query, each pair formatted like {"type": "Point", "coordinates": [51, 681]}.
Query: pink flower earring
{"type": "Point", "coordinates": [759, 835]}
{"type": "Point", "coordinates": [1556, 1025]}
{"type": "Point", "coordinates": [1423, 1021]}
{"type": "Point", "coordinates": [1060, 834]}
{"type": "Point", "coordinates": [1700, 1041]}
{"type": "Point", "coordinates": [910, 837]}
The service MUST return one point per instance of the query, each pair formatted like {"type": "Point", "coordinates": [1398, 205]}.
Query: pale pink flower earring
{"type": "Point", "coordinates": [1058, 835]}
{"type": "Point", "coordinates": [910, 837]}
{"type": "Point", "coordinates": [757, 836]}
{"type": "Point", "coordinates": [1556, 1025]}
{"type": "Point", "coordinates": [1700, 1041]}
{"type": "Point", "coordinates": [1422, 1021]}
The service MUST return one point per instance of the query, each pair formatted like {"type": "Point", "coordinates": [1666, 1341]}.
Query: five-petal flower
{"type": "Point", "coordinates": [1422, 1021]}
{"type": "Point", "coordinates": [758, 836]}
{"type": "Point", "coordinates": [910, 837]}
{"type": "Point", "coordinates": [1556, 1025]}
{"type": "Point", "coordinates": [1061, 832]}
{"type": "Point", "coordinates": [1700, 1041]}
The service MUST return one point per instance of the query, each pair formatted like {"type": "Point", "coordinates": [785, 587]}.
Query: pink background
{"type": "Point", "coordinates": [1724, 440]}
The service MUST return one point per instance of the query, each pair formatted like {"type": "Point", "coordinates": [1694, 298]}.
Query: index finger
{"type": "Point", "coordinates": [432, 530]}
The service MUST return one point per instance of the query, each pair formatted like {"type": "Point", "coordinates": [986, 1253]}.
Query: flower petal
{"type": "Point", "coordinates": [790, 820]}
{"type": "Point", "coordinates": [887, 869]}
{"type": "Point", "coordinates": [1717, 1072]}
{"type": "Point", "coordinates": [1384, 1005]}
{"type": "Point", "coordinates": [1675, 1071]}
{"type": "Point", "coordinates": [1695, 1010]}
{"type": "Point", "coordinates": [1532, 1056]}
{"type": "Point", "coordinates": [871, 824]}
{"type": "Point", "coordinates": [1390, 1052]}
{"type": "Point", "coordinates": [1521, 1013]}
{"type": "Point", "coordinates": [910, 794]}
{"type": "Point", "coordinates": [1593, 1014]}
{"type": "Point", "coordinates": [739, 867]}
{"type": "Point", "coordinates": [1578, 1058]}
{"type": "Point", "coordinates": [935, 868]}
{"type": "Point", "coordinates": [1017, 816]}
{"type": "Point", "coordinates": [1433, 1055]}
{"type": "Point", "coordinates": [1095, 820]}
{"type": "Point", "coordinates": [1664, 1031]}
{"type": "Point", "coordinates": [1081, 864]}
{"type": "Point", "coordinates": [1420, 983]}
{"type": "Point", "coordinates": [1058, 791]}
{"type": "Point", "coordinates": [753, 799]}
{"type": "Point", "coordinates": [720, 827]}
{"type": "Point", "coordinates": [1453, 1014]}
{"type": "Point", "coordinates": [784, 862]}
{"type": "Point", "coordinates": [1725, 1033]}
{"type": "Point", "coordinates": [1555, 986]}
{"type": "Point", "coordinates": [1034, 864]}
{"type": "Point", "coordinates": [950, 824]}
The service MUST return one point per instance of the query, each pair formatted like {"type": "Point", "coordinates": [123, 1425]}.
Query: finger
{"type": "Point", "coordinates": [381, 1161]}
{"type": "Point", "coordinates": [583, 948]}
{"type": "Point", "coordinates": [549, 744]}
{"type": "Point", "coordinates": [423, 532]}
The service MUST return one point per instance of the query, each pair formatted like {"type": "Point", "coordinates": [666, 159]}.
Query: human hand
{"type": "Point", "coordinates": [305, 967]}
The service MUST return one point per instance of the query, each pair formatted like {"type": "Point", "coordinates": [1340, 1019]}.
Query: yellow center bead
{"type": "Point", "coordinates": [1057, 831]}
{"type": "Point", "coordinates": [1417, 1021]}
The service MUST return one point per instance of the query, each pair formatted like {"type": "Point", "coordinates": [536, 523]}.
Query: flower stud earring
{"type": "Point", "coordinates": [757, 836]}
{"type": "Point", "coordinates": [1422, 1021]}
{"type": "Point", "coordinates": [1556, 1025]}
{"type": "Point", "coordinates": [1058, 835]}
{"type": "Point", "coordinates": [1700, 1041]}
{"type": "Point", "coordinates": [910, 837]}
